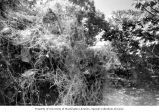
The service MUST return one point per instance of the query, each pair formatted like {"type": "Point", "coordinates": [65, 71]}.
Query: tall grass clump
{"type": "Point", "coordinates": [44, 57]}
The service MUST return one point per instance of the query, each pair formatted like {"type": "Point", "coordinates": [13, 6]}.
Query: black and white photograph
{"type": "Point", "coordinates": [79, 53]}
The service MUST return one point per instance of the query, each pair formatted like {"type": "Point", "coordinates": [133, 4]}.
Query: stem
{"type": "Point", "coordinates": [149, 11]}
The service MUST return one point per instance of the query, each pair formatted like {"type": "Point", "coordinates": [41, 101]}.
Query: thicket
{"type": "Point", "coordinates": [135, 35]}
{"type": "Point", "coordinates": [63, 52]}
{"type": "Point", "coordinates": [50, 54]}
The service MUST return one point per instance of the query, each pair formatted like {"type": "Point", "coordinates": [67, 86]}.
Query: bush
{"type": "Point", "coordinates": [45, 58]}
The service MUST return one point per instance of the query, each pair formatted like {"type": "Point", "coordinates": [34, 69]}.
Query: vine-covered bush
{"type": "Point", "coordinates": [45, 57]}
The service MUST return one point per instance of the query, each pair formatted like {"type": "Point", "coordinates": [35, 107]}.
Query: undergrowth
{"type": "Point", "coordinates": [44, 58]}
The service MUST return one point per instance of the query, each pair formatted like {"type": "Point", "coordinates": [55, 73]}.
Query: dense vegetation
{"type": "Point", "coordinates": [63, 52]}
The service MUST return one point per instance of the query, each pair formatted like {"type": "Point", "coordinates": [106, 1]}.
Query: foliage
{"type": "Point", "coordinates": [45, 56]}
{"type": "Point", "coordinates": [63, 52]}
{"type": "Point", "coordinates": [135, 35]}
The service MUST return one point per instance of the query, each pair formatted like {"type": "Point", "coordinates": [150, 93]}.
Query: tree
{"type": "Point", "coordinates": [134, 33]}
{"type": "Point", "coordinates": [93, 20]}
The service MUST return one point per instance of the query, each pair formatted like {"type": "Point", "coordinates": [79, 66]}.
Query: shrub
{"type": "Point", "coordinates": [45, 58]}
